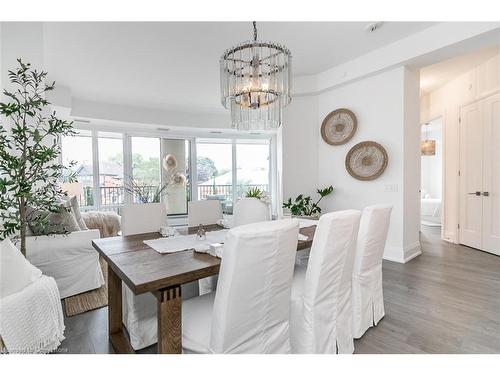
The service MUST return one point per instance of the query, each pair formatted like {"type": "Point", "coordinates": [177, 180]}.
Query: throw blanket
{"type": "Point", "coordinates": [31, 321]}
{"type": "Point", "coordinates": [107, 222]}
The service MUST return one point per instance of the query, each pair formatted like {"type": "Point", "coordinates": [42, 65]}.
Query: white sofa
{"type": "Point", "coordinates": [69, 259]}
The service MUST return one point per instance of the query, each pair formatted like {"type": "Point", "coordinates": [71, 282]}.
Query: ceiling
{"type": "Point", "coordinates": [434, 76]}
{"type": "Point", "coordinates": [174, 65]}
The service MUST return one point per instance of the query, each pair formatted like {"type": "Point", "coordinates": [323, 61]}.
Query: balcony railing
{"type": "Point", "coordinates": [226, 191]}
{"type": "Point", "coordinates": [113, 197]}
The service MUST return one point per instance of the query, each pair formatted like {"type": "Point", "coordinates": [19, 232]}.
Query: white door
{"type": "Point", "coordinates": [480, 174]}
{"type": "Point", "coordinates": [471, 175]}
{"type": "Point", "coordinates": [491, 174]}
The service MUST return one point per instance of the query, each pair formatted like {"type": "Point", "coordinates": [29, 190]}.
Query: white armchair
{"type": "Point", "coordinates": [31, 318]}
{"type": "Point", "coordinates": [69, 259]}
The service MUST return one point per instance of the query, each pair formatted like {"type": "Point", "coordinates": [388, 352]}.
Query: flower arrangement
{"type": "Point", "coordinates": [255, 192]}
{"type": "Point", "coordinates": [170, 162]}
{"type": "Point", "coordinates": [142, 191]}
{"type": "Point", "coordinates": [304, 206]}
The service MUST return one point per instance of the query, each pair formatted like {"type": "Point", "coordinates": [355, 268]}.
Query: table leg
{"type": "Point", "coordinates": [169, 316]}
{"type": "Point", "coordinates": [120, 342]}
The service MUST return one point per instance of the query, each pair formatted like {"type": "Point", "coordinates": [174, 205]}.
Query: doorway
{"type": "Point", "coordinates": [431, 185]}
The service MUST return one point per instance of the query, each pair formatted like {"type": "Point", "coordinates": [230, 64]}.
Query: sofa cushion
{"type": "Point", "coordinates": [72, 203]}
{"type": "Point", "coordinates": [43, 222]}
{"type": "Point", "coordinates": [16, 272]}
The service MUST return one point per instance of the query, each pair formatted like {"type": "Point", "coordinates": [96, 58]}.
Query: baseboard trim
{"type": "Point", "coordinates": [412, 251]}
{"type": "Point", "coordinates": [402, 255]}
{"type": "Point", "coordinates": [450, 237]}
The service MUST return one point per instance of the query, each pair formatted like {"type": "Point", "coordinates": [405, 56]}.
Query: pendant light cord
{"type": "Point", "coordinates": [254, 30]}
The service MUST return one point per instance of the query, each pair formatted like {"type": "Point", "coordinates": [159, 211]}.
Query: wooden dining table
{"type": "Point", "coordinates": [144, 270]}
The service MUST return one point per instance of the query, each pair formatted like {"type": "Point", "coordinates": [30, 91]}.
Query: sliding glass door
{"type": "Point", "coordinates": [252, 166]}
{"type": "Point", "coordinates": [77, 154]}
{"type": "Point", "coordinates": [115, 168]}
{"type": "Point", "coordinates": [111, 173]}
{"type": "Point", "coordinates": [228, 168]}
{"type": "Point", "coordinates": [159, 168]}
{"type": "Point", "coordinates": [143, 184]}
{"type": "Point", "coordinates": [215, 171]}
{"type": "Point", "coordinates": [175, 167]}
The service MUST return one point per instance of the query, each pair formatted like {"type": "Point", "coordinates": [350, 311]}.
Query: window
{"type": "Point", "coordinates": [177, 196]}
{"type": "Point", "coordinates": [115, 168]}
{"type": "Point", "coordinates": [227, 169]}
{"type": "Point", "coordinates": [215, 172]}
{"type": "Point", "coordinates": [78, 150]}
{"type": "Point", "coordinates": [146, 177]}
{"type": "Point", "coordinates": [111, 175]}
{"type": "Point", "coordinates": [252, 166]}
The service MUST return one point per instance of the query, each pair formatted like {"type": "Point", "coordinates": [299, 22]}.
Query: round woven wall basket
{"type": "Point", "coordinates": [366, 161]}
{"type": "Point", "coordinates": [339, 127]}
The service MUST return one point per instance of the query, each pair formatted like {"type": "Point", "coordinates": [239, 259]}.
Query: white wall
{"type": "Point", "coordinates": [105, 111]}
{"type": "Point", "coordinates": [445, 102]}
{"type": "Point", "coordinates": [3, 121]}
{"type": "Point", "coordinates": [431, 179]}
{"type": "Point", "coordinates": [411, 167]}
{"type": "Point", "coordinates": [19, 40]}
{"type": "Point", "coordinates": [386, 106]}
{"type": "Point", "coordinates": [299, 147]}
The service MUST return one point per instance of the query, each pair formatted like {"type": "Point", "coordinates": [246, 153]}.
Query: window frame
{"type": "Point", "coordinates": [190, 135]}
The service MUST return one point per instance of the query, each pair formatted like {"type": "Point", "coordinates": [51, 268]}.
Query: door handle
{"type": "Point", "coordinates": [478, 193]}
{"type": "Point", "coordinates": [486, 194]}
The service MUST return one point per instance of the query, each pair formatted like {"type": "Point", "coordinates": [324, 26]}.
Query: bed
{"type": "Point", "coordinates": [430, 211]}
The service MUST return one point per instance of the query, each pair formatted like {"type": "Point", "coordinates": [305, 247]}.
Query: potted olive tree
{"type": "Point", "coordinates": [29, 151]}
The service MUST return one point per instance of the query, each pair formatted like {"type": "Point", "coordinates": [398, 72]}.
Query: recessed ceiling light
{"type": "Point", "coordinates": [215, 132]}
{"type": "Point", "coordinates": [164, 129]}
{"type": "Point", "coordinates": [371, 27]}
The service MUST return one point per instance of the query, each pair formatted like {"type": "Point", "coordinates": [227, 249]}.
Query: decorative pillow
{"type": "Point", "coordinates": [75, 209]}
{"type": "Point", "coordinates": [43, 223]}
{"type": "Point", "coordinates": [16, 272]}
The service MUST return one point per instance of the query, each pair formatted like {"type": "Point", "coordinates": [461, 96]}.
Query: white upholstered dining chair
{"type": "Point", "coordinates": [321, 311]}
{"type": "Point", "coordinates": [204, 212]}
{"type": "Point", "coordinates": [143, 218]}
{"type": "Point", "coordinates": [250, 210]}
{"type": "Point", "coordinates": [367, 295]}
{"type": "Point", "coordinates": [139, 311]}
{"type": "Point", "coordinates": [249, 312]}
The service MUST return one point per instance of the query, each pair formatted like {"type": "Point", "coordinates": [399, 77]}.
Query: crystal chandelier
{"type": "Point", "coordinates": [255, 81]}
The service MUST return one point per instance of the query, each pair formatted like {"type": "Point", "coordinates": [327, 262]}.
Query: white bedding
{"type": "Point", "coordinates": [430, 209]}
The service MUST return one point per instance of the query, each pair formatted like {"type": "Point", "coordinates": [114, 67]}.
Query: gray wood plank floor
{"type": "Point", "coordinates": [445, 301]}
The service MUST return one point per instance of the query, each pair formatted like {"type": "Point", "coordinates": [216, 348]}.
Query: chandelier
{"type": "Point", "coordinates": [427, 146]}
{"type": "Point", "coordinates": [255, 82]}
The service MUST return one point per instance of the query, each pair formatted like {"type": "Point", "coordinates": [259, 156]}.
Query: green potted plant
{"type": "Point", "coordinates": [257, 193]}
{"type": "Point", "coordinates": [29, 152]}
{"type": "Point", "coordinates": [303, 206]}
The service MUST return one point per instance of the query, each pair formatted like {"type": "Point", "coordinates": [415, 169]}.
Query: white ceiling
{"type": "Point", "coordinates": [174, 65]}
{"type": "Point", "coordinates": [434, 76]}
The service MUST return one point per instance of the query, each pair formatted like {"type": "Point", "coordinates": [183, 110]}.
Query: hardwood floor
{"type": "Point", "coordinates": [447, 300]}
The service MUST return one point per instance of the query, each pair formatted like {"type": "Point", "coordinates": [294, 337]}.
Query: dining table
{"type": "Point", "coordinates": [144, 270]}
